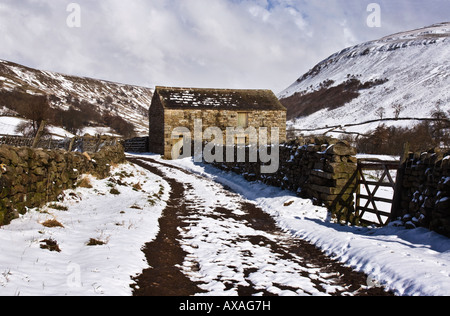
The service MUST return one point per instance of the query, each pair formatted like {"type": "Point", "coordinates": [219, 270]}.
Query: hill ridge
{"type": "Point", "coordinates": [412, 69]}
{"type": "Point", "coordinates": [130, 102]}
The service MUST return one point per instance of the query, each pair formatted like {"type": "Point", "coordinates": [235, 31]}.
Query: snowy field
{"type": "Point", "coordinates": [408, 262]}
{"type": "Point", "coordinates": [115, 226]}
{"type": "Point", "coordinates": [8, 126]}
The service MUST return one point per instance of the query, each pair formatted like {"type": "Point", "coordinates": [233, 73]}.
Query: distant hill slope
{"type": "Point", "coordinates": [126, 101]}
{"type": "Point", "coordinates": [408, 72]}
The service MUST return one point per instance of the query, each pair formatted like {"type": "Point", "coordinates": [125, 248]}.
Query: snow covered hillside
{"type": "Point", "coordinates": [129, 102]}
{"type": "Point", "coordinates": [409, 71]}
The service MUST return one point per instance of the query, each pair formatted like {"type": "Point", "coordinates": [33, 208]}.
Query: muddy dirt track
{"type": "Point", "coordinates": [214, 242]}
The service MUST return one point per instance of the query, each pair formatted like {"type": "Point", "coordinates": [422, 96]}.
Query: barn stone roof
{"type": "Point", "coordinates": [218, 99]}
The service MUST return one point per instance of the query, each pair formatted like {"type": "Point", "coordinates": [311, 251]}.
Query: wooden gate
{"type": "Point", "coordinates": [137, 145]}
{"type": "Point", "coordinates": [368, 197]}
{"type": "Point", "coordinates": [375, 191]}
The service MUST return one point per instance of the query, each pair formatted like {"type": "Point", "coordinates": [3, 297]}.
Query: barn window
{"type": "Point", "coordinates": [243, 120]}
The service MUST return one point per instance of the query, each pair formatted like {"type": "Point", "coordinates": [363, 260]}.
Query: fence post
{"type": "Point", "coordinates": [98, 143]}
{"type": "Point", "coordinates": [39, 134]}
{"type": "Point", "coordinates": [397, 199]}
{"type": "Point", "coordinates": [72, 142]}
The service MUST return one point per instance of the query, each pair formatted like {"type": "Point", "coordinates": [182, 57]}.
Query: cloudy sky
{"type": "Point", "coordinates": [198, 43]}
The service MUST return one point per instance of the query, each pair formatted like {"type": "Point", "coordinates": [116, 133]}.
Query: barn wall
{"type": "Point", "coordinates": [218, 118]}
{"type": "Point", "coordinates": [156, 134]}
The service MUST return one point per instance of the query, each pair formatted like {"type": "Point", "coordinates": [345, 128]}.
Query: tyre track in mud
{"type": "Point", "coordinates": [167, 255]}
{"type": "Point", "coordinates": [164, 254]}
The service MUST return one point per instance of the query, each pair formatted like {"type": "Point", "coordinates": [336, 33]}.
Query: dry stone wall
{"type": "Point", "coordinates": [319, 168]}
{"type": "Point", "coordinates": [32, 177]}
{"type": "Point", "coordinates": [424, 191]}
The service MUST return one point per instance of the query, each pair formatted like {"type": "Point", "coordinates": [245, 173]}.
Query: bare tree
{"type": "Point", "coordinates": [441, 127]}
{"type": "Point", "coordinates": [380, 112]}
{"type": "Point", "coordinates": [398, 108]}
{"type": "Point", "coordinates": [290, 133]}
{"type": "Point", "coordinates": [26, 128]}
{"type": "Point", "coordinates": [37, 110]}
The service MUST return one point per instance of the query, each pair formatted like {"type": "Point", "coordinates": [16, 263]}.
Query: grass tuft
{"type": "Point", "coordinates": [51, 223]}
{"type": "Point", "coordinates": [95, 242]}
{"type": "Point", "coordinates": [50, 244]}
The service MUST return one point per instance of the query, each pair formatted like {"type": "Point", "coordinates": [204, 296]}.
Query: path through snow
{"type": "Point", "coordinates": [214, 242]}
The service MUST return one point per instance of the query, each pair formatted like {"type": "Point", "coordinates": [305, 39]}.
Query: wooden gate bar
{"type": "Point", "coordinates": [375, 198]}
{"type": "Point", "coordinates": [368, 210]}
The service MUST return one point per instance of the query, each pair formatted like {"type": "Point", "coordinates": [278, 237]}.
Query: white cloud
{"type": "Point", "coordinates": [220, 43]}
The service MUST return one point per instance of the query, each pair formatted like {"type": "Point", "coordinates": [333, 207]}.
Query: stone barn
{"type": "Point", "coordinates": [222, 108]}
